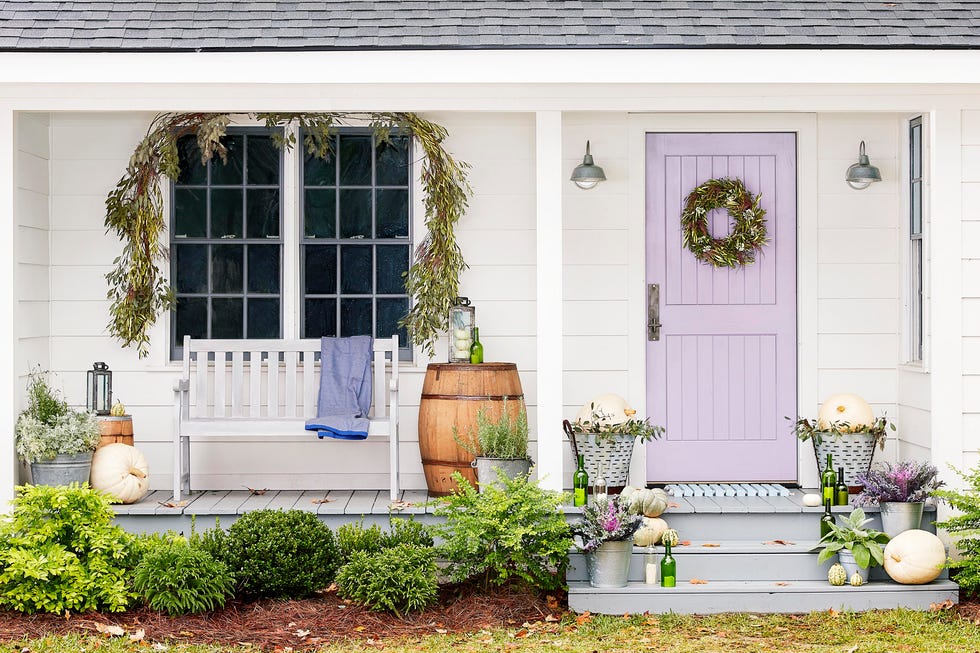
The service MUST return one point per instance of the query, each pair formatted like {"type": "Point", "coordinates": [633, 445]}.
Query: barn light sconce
{"type": "Point", "coordinates": [588, 174]}
{"type": "Point", "coordinates": [862, 174]}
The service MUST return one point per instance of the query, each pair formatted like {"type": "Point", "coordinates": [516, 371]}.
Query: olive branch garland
{"type": "Point", "coordinates": [138, 289]}
{"type": "Point", "coordinates": [748, 233]}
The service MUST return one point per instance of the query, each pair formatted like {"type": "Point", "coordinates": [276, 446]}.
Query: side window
{"type": "Point", "coordinates": [355, 240]}
{"type": "Point", "coordinates": [226, 241]}
{"type": "Point", "coordinates": [915, 239]}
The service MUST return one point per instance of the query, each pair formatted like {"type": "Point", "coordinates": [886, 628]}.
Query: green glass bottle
{"type": "Point", "coordinates": [829, 481]}
{"type": "Point", "coordinates": [827, 519]}
{"type": "Point", "coordinates": [842, 498]}
{"type": "Point", "coordinates": [668, 568]}
{"type": "Point", "coordinates": [476, 349]}
{"type": "Point", "coordinates": [580, 483]}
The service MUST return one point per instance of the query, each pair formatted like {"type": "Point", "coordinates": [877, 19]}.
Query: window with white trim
{"type": "Point", "coordinates": [227, 223]}
{"type": "Point", "coordinates": [915, 239]}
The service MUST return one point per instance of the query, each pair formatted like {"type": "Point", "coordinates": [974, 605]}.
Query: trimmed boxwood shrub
{"type": "Point", "coordinates": [398, 579]}
{"type": "Point", "coordinates": [179, 577]}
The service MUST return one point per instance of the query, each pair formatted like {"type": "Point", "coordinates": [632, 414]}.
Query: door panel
{"type": "Point", "coordinates": [723, 374]}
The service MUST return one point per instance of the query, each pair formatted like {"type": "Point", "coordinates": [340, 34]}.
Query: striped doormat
{"type": "Point", "coordinates": [726, 490]}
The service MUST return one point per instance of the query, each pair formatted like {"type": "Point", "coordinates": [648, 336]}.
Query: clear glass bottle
{"type": "Point", "coordinates": [668, 568]}
{"type": "Point", "coordinates": [476, 349]}
{"type": "Point", "coordinates": [599, 489]}
{"type": "Point", "coordinates": [651, 565]}
{"type": "Point", "coordinates": [829, 481]}
{"type": "Point", "coordinates": [842, 497]}
{"type": "Point", "coordinates": [580, 483]}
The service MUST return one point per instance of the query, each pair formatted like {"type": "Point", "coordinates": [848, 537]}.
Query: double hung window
{"type": "Point", "coordinates": [915, 240]}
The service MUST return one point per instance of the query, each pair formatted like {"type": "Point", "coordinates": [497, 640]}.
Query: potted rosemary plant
{"type": "Point", "coordinates": [499, 446]}
{"type": "Point", "coordinates": [55, 440]}
{"type": "Point", "coordinates": [900, 490]}
{"type": "Point", "coordinates": [605, 535]}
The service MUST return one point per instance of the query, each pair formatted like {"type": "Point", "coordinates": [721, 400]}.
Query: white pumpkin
{"type": "Point", "coordinates": [650, 531]}
{"type": "Point", "coordinates": [845, 408]}
{"type": "Point", "coordinates": [812, 500]}
{"type": "Point", "coordinates": [648, 502]}
{"type": "Point", "coordinates": [914, 557]}
{"type": "Point", "coordinates": [120, 470]}
{"type": "Point", "coordinates": [611, 409]}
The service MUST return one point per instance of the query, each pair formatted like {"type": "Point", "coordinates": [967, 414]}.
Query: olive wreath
{"type": "Point", "coordinates": [748, 233]}
{"type": "Point", "coordinates": [138, 289]}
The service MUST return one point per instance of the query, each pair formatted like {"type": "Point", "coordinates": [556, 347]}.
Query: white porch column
{"type": "Point", "coordinates": [946, 289]}
{"type": "Point", "coordinates": [548, 298]}
{"type": "Point", "coordinates": [8, 413]}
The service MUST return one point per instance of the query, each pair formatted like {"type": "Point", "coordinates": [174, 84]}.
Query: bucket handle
{"type": "Point", "coordinates": [567, 427]}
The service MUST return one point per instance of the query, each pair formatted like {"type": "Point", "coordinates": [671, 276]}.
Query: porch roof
{"type": "Point", "coordinates": [172, 25]}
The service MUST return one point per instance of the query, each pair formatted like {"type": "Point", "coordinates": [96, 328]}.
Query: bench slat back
{"type": "Point", "coordinates": [269, 378]}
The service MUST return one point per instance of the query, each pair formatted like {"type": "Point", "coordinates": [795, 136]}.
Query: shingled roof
{"type": "Point", "coordinates": [167, 25]}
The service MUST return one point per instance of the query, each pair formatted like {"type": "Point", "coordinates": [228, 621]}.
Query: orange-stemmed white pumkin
{"type": "Point", "coordinates": [120, 470]}
{"type": "Point", "coordinates": [914, 557]}
{"type": "Point", "coordinates": [851, 409]}
{"type": "Point", "coordinates": [611, 410]}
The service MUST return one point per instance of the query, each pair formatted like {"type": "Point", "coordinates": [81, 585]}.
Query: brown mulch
{"type": "Point", "coordinates": [300, 625]}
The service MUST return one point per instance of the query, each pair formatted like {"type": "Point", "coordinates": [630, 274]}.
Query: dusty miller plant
{"type": "Point", "coordinates": [49, 427]}
{"type": "Point", "coordinates": [138, 289]}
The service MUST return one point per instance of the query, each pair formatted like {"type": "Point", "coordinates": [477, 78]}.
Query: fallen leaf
{"type": "Point", "coordinates": [711, 545]}
{"type": "Point", "coordinates": [684, 543]}
{"type": "Point", "coordinates": [585, 617]}
{"type": "Point", "coordinates": [138, 636]}
{"type": "Point", "coordinates": [523, 632]}
{"type": "Point", "coordinates": [781, 542]}
{"type": "Point", "coordinates": [332, 588]}
{"type": "Point", "coordinates": [551, 618]}
{"type": "Point", "coordinates": [323, 500]}
{"type": "Point", "coordinates": [551, 602]}
{"type": "Point", "coordinates": [441, 631]}
{"type": "Point", "coordinates": [301, 632]}
{"type": "Point", "coordinates": [698, 581]}
{"type": "Point", "coordinates": [832, 612]}
{"type": "Point", "coordinates": [673, 505]}
{"type": "Point", "coordinates": [400, 505]}
{"type": "Point", "coordinates": [360, 629]}
{"type": "Point", "coordinates": [157, 646]}
{"type": "Point", "coordinates": [255, 492]}
{"type": "Point", "coordinates": [172, 504]}
{"type": "Point", "coordinates": [782, 583]}
{"type": "Point", "coordinates": [939, 607]}
{"type": "Point", "coordinates": [111, 630]}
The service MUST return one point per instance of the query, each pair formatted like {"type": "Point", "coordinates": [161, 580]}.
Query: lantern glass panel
{"type": "Point", "coordinates": [462, 319]}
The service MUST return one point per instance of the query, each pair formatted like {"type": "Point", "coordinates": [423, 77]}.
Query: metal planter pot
{"type": "Point", "coordinates": [609, 565]}
{"type": "Point", "coordinates": [852, 451]}
{"type": "Point", "coordinates": [489, 470]}
{"type": "Point", "coordinates": [62, 470]}
{"type": "Point", "coordinates": [850, 565]}
{"type": "Point", "coordinates": [897, 517]}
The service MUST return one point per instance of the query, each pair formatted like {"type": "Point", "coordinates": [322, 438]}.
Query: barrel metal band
{"type": "Point", "coordinates": [446, 463]}
{"type": "Point", "coordinates": [474, 398]}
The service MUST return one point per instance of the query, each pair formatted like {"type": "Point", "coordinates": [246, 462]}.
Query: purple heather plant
{"type": "Point", "coordinates": [606, 519]}
{"type": "Point", "coordinates": [905, 482]}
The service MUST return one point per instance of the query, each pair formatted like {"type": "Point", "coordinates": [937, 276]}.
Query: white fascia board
{"type": "Point", "coordinates": [557, 66]}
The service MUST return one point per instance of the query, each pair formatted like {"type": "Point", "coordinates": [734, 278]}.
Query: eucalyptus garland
{"type": "Point", "coordinates": [748, 232]}
{"type": "Point", "coordinates": [138, 289]}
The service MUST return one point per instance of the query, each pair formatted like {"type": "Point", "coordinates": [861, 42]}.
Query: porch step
{"type": "Point", "coordinates": [763, 596]}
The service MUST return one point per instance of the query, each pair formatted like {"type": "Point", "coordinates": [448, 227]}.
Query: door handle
{"type": "Point", "coordinates": [653, 312]}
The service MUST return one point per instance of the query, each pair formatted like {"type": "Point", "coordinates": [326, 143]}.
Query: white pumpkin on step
{"type": "Point", "coordinates": [851, 409]}
{"type": "Point", "coordinates": [120, 470]}
{"type": "Point", "coordinates": [915, 557]}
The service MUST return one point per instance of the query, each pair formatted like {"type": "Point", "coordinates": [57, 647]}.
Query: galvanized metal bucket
{"type": "Point", "coordinates": [897, 517]}
{"type": "Point", "coordinates": [489, 470]}
{"type": "Point", "coordinates": [850, 565]}
{"type": "Point", "coordinates": [609, 453]}
{"type": "Point", "coordinates": [609, 565]}
{"type": "Point", "coordinates": [852, 451]}
{"type": "Point", "coordinates": [62, 470]}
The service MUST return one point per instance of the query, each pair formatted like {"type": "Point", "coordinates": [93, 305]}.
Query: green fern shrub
{"type": "Point", "coordinates": [276, 553]}
{"type": "Point", "coordinates": [398, 579]}
{"type": "Point", "coordinates": [60, 552]}
{"type": "Point", "coordinates": [406, 531]}
{"type": "Point", "coordinates": [178, 577]}
{"type": "Point", "coordinates": [354, 537]}
{"type": "Point", "coordinates": [967, 526]}
{"type": "Point", "coordinates": [511, 531]}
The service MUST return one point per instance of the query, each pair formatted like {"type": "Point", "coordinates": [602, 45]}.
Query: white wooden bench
{"type": "Point", "coordinates": [268, 389]}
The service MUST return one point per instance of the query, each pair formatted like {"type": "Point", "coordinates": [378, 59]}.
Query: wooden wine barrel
{"type": "Point", "coordinates": [452, 394]}
{"type": "Point", "coordinates": [116, 429]}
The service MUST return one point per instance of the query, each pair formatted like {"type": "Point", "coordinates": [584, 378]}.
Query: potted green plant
{"type": "Point", "coordinates": [605, 535]}
{"type": "Point", "coordinates": [604, 433]}
{"type": "Point", "coordinates": [857, 548]}
{"type": "Point", "coordinates": [55, 440]}
{"type": "Point", "coordinates": [499, 446]}
{"type": "Point", "coordinates": [900, 490]}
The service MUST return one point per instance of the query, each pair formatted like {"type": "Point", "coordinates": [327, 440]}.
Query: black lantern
{"type": "Point", "coordinates": [99, 389]}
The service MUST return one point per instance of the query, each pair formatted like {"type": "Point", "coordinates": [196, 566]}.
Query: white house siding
{"type": "Point", "coordinates": [971, 286]}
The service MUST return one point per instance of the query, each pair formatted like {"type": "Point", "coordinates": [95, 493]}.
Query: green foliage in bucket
{"type": "Point", "coordinates": [48, 427]}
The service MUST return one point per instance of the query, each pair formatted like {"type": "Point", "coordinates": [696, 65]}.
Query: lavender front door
{"type": "Point", "coordinates": [722, 375]}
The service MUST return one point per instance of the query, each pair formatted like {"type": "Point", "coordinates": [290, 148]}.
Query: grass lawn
{"type": "Point", "coordinates": [890, 631]}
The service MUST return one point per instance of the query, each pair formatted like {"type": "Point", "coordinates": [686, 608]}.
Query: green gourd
{"type": "Point", "coordinates": [856, 580]}
{"type": "Point", "coordinates": [837, 575]}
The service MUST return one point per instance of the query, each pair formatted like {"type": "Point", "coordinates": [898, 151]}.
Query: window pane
{"type": "Point", "coordinates": [263, 213]}
{"type": "Point", "coordinates": [263, 318]}
{"type": "Point", "coordinates": [226, 317]}
{"type": "Point", "coordinates": [392, 162]}
{"type": "Point", "coordinates": [192, 172]}
{"type": "Point", "coordinates": [320, 213]}
{"type": "Point", "coordinates": [226, 269]}
{"type": "Point", "coordinates": [355, 160]}
{"type": "Point", "coordinates": [320, 269]}
{"type": "Point", "coordinates": [356, 270]}
{"type": "Point", "coordinates": [392, 213]}
{"type": "Point", "coordinates": [229, 172]}
{"type": "Point", "coordinates": [263, 161]}
{"type": "Point", "coordinates": [192, 318]}
{"type": "Point", "coordinates": [355, 213]}
{"type": "Point", "coordinates": [392, 264]}
{"type": "Point", "coordinates": [916, 206]}
{"type": "Point", "coordinates": [263, 268]}
{"type": "Point", "coordinates": [390, 310]}
{"type": "Point", "coordinates": [226, 213]}
{"type": "Point", "coordinates": [320, 318]}
{"type": "Point", "coordinates": [916, 151]}
{"type": "Point", "coordinates": [319, 172]}
{"type": "Point", "coordinates": [191, 269]}
{"type": "Point", "coordinates": [355, 317]}
{"type": "Point", "coordinates": [190, 212]}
